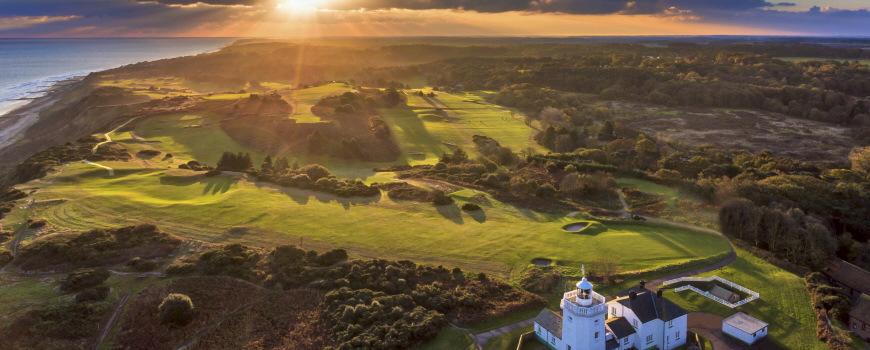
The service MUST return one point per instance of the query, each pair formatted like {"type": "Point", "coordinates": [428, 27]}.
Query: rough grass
{"type": "Point", "coordinates": [449, 339]}
{"type": "Point", "coordinates": [510, 340]}
{"type": "Point", "coordinates": [307, 98]}
{"type": "Point", "coordinates": [784, 302]}
{"type": "Point", "coordinates": [496, 240]}
{"type": "Point", "coordinates": [680, 205]}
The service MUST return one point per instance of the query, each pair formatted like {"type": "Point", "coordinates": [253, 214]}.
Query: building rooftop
{"type": "Point", "coordinates": [620, 327]}
{"type": "Point", "coordinates": [745, 323]}
{"type": "Point", "coordinates": [550, 321]}
{"type": "Point", "coordinates": [861, 309]}
{"type": "Point", "coordinates": [722, 293]}
{"type": "Point", "coordinates": [648, 307]}
{"type": "Point", "coordinates": [850, 275]}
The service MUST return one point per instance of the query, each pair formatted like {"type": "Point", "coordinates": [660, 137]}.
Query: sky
{"type": "Point", "coordinates": [312, 18]}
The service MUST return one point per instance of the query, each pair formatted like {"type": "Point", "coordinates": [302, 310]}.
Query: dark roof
{"type": "Point", "coordinates": [551, 321]}
{"type": "Point", "coordinates": [620, 327]}
{"type": "Point", "coordinates": [611, 344]}
{"type": "Point", "coordinates": [648, 307]}
{"type": "Point", "coordinates": [861, 309]}
{"type": "Point", "coordinates": [853, 276]}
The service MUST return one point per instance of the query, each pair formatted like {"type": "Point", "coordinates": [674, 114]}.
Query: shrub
{"type": "Point", "coordinates": [149, 152]}
{"type": "Point", "coordinates": [83, 279]}
{"type": "Point", "coordinates": [457, 271]}
{"type": "Point", "coordinates": [332, 257]}
{"type": "Point", "coordinates": [440, 198]}
{"type": "Point", "coordinates": [176, 310]}
{"type": "Point", "coordinates": [180, 268]}
{"type": "Point", "coordinates": [38, 224]}
{"type": "Point", "coordinates": [141, 265]}
{"type": "Point", "coordinates": [539, 281]}
{"type": "Point", "coordinates": [234, 260]}
{"type": "Point", "coordinates": [315, 171]}
{"type": "Point", "coordinates": [470, 207]}
{"type": "Point", "coordinates": [545, 191]}
{"type": "Point", "coordinates": [213, 172]}
{"type": "Point", "coordinates": [482, 277]}
{"type": "Point", "coordinates": [94, 294]}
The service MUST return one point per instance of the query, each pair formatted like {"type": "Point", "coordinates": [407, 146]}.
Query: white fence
{"type": "Point", "coordinates": [752, 295]}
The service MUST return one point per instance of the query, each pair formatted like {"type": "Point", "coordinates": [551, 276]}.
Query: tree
{"type": "Point", "coordinates": [459, 156]}
{"type": "Point", "coordinates": [860, 158]}
{"type": "Point", "coordinates": [605, 268]}
{"type": "Point", "coordinates": [266, 167]}
{"type": "Point", "coordinates": [176, 310]}
{"type": "Point", "coordinates": [606, 133]}
{"type": "Point", "coordinates": [647, 146]}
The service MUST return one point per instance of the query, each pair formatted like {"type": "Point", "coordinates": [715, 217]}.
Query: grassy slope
{"type": "Point", "coordinates": [449, 339]}
{"type": "Point", "coordinates": [510, 340]}
{"type": "Point", "coordinates": [500, 238]}
{"type": "Point", "coordinates": [702, 218]}
{"type": "Point", "coordinates": [784, 302]}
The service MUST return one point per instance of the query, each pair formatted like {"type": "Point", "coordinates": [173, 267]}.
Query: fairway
{"type": "Point", "coordinates": [498, 240]}
{"type": "Point", "coordinates": [784, 303]}
{"type": "Point", "coordinates": [424, 133]}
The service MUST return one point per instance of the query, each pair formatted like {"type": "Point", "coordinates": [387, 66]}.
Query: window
{"type": "Point", "coordinates": [626, 341]}
{"type": "Point", "coordinates": [613, 310]}
{"type": "Point", "coordinates": [670, 324]}
{"type": "Point", "coordinates": [634, 323]}
{"type": "Point", "coordinates": [596, 335]}
{"type": "Point", "coordinates": [538, 330]}
{"type": "Point", "coordinates": [753, 335]}
{"type": "Point", "coordinates": [553, 340]}
{"type": "Point", "coordinates": [678, 335]}
{"type": "Point", "coordinates": [596, 321]}
{"type": "Point", "coordinates": [649, 339]}
{"type": "Point", "coordinates": [570, 319]}
{"type": "Point", "coordinates": [569, 347]}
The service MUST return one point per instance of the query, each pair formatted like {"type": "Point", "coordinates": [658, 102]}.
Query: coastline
{"type": "Point", "coordinates": [13, 123]}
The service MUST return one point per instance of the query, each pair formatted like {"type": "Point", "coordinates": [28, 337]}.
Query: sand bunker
{"type": "Point", "coordinates": [542, 262]}
{"type": "Point", "coordinates": [577, 226]}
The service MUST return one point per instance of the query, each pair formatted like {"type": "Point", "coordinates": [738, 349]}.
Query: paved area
{"type": "Point", "coordinates": [482, 338]}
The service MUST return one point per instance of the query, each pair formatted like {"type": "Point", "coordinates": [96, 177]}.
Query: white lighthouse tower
{"type": "Point", "coordinates": [583, 315]}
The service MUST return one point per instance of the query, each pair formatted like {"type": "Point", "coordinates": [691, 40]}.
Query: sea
{"type": "Point", "coordinates": [28, 66]}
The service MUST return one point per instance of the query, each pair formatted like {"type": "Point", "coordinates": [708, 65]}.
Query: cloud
{"type": "Point", "coordinates": [7, 23]}
{"type": "Point", "coordinates": [785, 4]}
{"type": "Point", "coordinates": [207, 2]}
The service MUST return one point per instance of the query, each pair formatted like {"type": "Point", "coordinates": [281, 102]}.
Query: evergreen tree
{"type": "Point", "coordinates": [226, 160]}
{"type": "Point", "coordinates": [282, 165]}
{"type": "Point", "coordinates": [246, 163]}
{"type": "Point", "coordinates": [266, 167]}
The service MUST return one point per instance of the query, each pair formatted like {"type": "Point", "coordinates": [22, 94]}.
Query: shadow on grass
{"type": "Point", "coordinates": [451, 212]}
{"type": "Point", "coordinates": [477, 215]}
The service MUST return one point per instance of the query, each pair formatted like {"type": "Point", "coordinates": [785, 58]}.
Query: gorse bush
{"type": "Point", "coordinates": [82, 279]}
{"type": "Point", "coordinates": [176, 310]}
{"type": "Point", "coordinates": [94, 294]}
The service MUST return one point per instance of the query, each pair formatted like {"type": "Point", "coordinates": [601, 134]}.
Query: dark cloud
{"type": "Point", "coordinates": [786, 4]}
{"type": "Point", "coordinates": [207, 2]}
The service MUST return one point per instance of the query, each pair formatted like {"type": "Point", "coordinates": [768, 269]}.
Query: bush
{"type": "Point", "coordinates": [94, 294]}
{"type": "Point", "coordinates": [149, 152]}
{"type": "Point", "coordinates": [470, 207]}
{"type": "Point", "coordinates": [332, 257]}
{"type": "Point", "coordinates": [537, 280]}
{"type": "Point", "coordinates": [545, 191]}
{"type": "Point", "coordinates": [141, 265]}
{"type": "Point", "coordinates": [180, 268]}
{"type": "Point", "coordinates": [439, 198]}
{"type": "Point", "coordinates": [38, 224]}
{"type": "Point", "coordinates": [176, 310]}
{"type": "Point", "coordinates": [213, 172]}
{"type": "Point", "coordinates": [83, 279]}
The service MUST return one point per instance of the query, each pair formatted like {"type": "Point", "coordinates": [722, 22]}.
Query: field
{"type": "Point", "coordinates": [751, 130]}
{"type": "Point", "coordinates": [501, 238]}
{"type": "Point", "coordinates": [795, 59]}
{"type": "Point", "coordinates": [449, 339]}
{"type": "Point", "coordinates": [784, 302]}
{"type": "Point", "coordinates": [680, 206]}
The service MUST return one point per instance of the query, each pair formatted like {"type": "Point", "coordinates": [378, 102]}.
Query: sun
{"type": "Point", "coordinates": [300, 4]}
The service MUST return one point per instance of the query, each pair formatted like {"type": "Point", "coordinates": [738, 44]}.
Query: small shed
{"type": "Point", "coordinates": [744, 328]}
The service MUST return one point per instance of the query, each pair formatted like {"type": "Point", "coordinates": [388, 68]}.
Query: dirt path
{"type": "Point", "coordinates": [108, 139]}
{"type": "Point", "coordinates": [111, 322]}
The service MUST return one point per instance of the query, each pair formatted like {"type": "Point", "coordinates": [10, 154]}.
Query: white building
{"type": "Point", "coordinates": [639, 321]}
{"type": "Point", "coordinates": [745, 328]}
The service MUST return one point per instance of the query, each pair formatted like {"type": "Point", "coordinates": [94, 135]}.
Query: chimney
{"type": "Point", "coordinates": [641, 285]}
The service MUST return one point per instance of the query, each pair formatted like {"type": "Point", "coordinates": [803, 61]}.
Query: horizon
{"type": "Point", "coordinates": [437, 18]}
